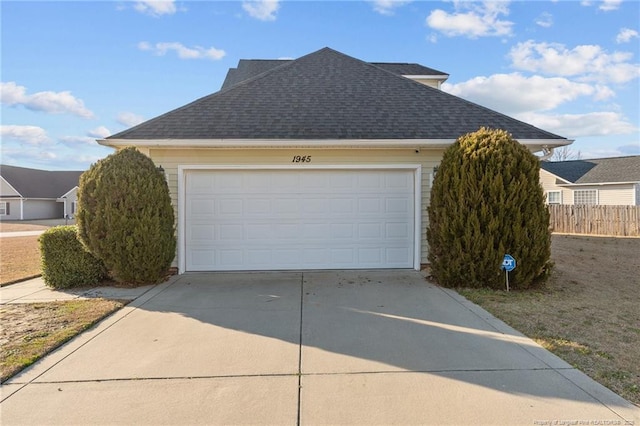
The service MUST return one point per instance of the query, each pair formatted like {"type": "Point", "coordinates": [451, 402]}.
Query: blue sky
{"type": "Point", "coordinates": [75, 71]}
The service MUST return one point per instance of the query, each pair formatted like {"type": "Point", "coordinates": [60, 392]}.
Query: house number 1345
{"type": "Point", "coordinates": [301, 159]}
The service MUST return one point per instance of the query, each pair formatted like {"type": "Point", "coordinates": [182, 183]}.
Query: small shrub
{"type": "Point", "coordinates": [65, 261]}
{"type": "Point", "coordinates": [125, 217]}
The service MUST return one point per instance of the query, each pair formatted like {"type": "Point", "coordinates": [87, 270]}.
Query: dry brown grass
{"type": "Point", "coordinates": [15, 227]}
{"type": "Point", "coordinates": [588, 312]}
{"type": "Point", "coordinates": [32, 330]}
{"type": "Point", "coordinates": [19, 258]}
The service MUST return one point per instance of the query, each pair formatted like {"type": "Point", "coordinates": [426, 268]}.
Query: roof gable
{"type": "Point", "coordinates": [327, 95]}
{"type": "Point", "coordinates": [598, 170]}
{"type": "Point", "coordinates": [34, 183]}
{"type": "Point", "coordinates": [249, 68]}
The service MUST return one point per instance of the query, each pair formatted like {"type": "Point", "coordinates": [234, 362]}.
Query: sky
{"type": "Point", "coordinates": [75, 71]}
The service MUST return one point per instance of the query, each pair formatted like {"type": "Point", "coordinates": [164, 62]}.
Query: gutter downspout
{"type": "Point", "coordinates": [546, 153]}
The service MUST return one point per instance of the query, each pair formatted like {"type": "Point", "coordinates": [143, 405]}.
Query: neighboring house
{"type": "Point", "coordinates": [323, 162]}
{"type": "Point", "coordinates": [601, 181]}
{"type": "Point", "coordinates": [28, 194]}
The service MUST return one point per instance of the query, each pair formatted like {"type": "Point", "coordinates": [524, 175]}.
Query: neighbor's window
{"type": "Point", "coordinates": [585, 196]}
{"type": "Point", "coordinates": [554, 197]}
{"type": "Point", "coordinates": [3, 209]}
{"type": "Point", "coordinates": [74, 207]}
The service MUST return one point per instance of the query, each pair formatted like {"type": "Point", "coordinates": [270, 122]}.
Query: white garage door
{"type": "Point", "coordinates": [299, 219]}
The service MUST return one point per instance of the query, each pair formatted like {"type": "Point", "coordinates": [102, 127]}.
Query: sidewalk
{"type": "Point", "coordinates": [35, 290]}
{"type": "Point", "coordinates": [19, 234]}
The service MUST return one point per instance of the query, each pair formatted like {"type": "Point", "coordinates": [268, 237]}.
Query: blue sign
{"type": "Point", "coordinates": [508, 263]}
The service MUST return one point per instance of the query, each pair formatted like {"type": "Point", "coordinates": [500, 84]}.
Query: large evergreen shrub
{"type": "Point", "coordinates": [487, 201]}
{"type": "Point", "coordinates": [125, 217]}
{"type": "Point", "coordinates": [66, 262]}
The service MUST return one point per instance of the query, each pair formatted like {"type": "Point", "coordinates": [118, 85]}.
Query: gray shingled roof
{"type": "Point", "coordinates": [327, 95]}
{"type": "Point", "coordinates": [599, 170]}
{"type": "Point", "coordinates": [408, 69]}
{"type": "Point", "coordinates": [249, 68]}
{"type": "Point", "coordinates": [34, 183]}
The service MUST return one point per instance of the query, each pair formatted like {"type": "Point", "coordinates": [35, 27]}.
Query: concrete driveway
{"type": "Point", "coordinates": [349, 347]}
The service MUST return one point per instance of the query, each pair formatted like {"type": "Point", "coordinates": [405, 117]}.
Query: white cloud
{"type": "Point", "coordinates": [51, 102]}
{"type": "Point", "coordinates": [263, 10]}
{"type": "Point", "coordinates": [99, 132]}
{"type": "Point", "coordinates": [625, 35]}
{"type": "Point", "coordinates": [129, 119]}
{"type": "Point", "coordinates": [90, 137]}
{"type": "Point", "coordinates": [631, 149]}
{"type": "Point", "coordinates": [182, 51]}
{"type": "Point", "coordinates": [545, 20]}
{"type": "Point", "coordinates": [588, 62]}
{"type": "Point", "coordinates": [46, 155]}
{"type": "Point", "coordinates": [32, 135]}
{"type": "Point", "coordinates": [534, 93]}
{"type": "Point", "coordinates": [72, 141]}
{"type": "Point", "coordinates": [472, 19]}
{"type": "Point", "coordinates": [609, 5]}
{"type": "Point", "coordinates": [156, 7]}
{"type": "Point", "coordinates": [574, 126]}
{"type": "Point", "coordinates": [387, 7]}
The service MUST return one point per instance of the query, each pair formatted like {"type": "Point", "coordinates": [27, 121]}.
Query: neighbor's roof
{"type": "Point", "coordinates": [34, 183]}
{"type": "Point", "coordinates": [598, 170]}
{"type": "Point", "coordinates": [328, 95]}
{"type": "Point", "coordinates": [249, 68]}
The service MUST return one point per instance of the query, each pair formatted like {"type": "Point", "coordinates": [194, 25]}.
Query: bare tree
{"type": "Point", "coordinates": [565, 153]}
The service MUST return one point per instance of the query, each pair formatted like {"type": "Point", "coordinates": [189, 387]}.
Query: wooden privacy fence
{"type": "Point", "coordinates": [595, 220]}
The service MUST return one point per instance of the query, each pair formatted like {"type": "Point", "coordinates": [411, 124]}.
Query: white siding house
{"type": "Point", "coordinates": [31, 194]}
{"type": "Point", "coordinates": [601, 181]}
{"type": "Point", "coordinates": [322, 162]}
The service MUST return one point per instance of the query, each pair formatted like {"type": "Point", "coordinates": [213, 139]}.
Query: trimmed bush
{"type": "Point", "coordinates": [65, 261]}
{"type": "Point", "coordinates": [125, 217]}
{"type": "Point", "coordinates": [487, 201]}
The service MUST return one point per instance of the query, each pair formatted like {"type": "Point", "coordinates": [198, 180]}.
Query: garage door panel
{"type": "Point", "coordinates": [300, 219]}
{"type": "Point", "coordinates": [370, 230]}
{"type": "Point", "coordinates": [398, 205]}
{"type": "Point", "coordinates": [316, 231]}
{"type": "Point", "coordinates": [399, 230]}
{"type": "Point", "coordinates": [341, 206]}
{"type": "Point", "coordinates": [396, 255]}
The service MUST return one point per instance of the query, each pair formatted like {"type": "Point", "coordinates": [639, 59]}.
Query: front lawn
{"type": "Point", "coordinates": [588, 312]}
{"type": "Point", "coordinates": [32, 330]}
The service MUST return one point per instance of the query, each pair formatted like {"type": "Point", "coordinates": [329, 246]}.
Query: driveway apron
{"type": "Point", "coordinates": [322, 347]}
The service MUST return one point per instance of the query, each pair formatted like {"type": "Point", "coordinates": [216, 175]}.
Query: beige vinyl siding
{"type": "Point", "coordinates": [170, 159]}
{"type": "Point", "coordinates": [428, 82]}
{"type": "Point", "coordinates": [6, 190]}
{"type": "Point", "coordinates": [611, 195]}
{"type": "Point", "coordinates": [548, 182]}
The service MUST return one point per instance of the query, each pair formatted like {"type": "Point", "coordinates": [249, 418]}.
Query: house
{"type": "Point", "coordinates": [601, 181]}
{"type": "Point", "coordinates": [28, 194]}
{"type": "Point", "coordinates": [322, 162]}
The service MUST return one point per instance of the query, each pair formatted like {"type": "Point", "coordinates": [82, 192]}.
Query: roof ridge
{"type": "Point", "coordinates": [41, 170]}
{"type": "Point", "coordinates": [347, 76]}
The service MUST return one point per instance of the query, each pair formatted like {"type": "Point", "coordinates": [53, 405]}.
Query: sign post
{"type": "Point", "coordinates": [508, 264]}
